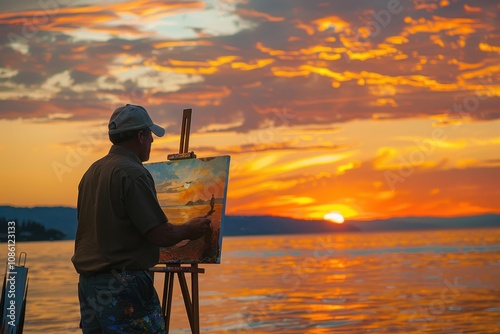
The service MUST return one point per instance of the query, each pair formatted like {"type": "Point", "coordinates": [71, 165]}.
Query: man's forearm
{"type": "Point", "coordinates": [167, 234]}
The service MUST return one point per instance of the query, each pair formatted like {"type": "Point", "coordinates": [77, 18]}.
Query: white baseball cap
{"type": "Point", "coordinates": [132, 117]}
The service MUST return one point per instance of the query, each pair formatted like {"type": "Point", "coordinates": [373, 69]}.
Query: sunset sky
{"type": "Point", "coordinates": [368, 108]}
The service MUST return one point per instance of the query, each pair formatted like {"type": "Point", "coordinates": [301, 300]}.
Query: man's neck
{"type": "Point", "coordinates": [131, 146]}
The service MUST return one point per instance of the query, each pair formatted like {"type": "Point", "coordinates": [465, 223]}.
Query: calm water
{"type": "Point", "coordinates": [400, 282]}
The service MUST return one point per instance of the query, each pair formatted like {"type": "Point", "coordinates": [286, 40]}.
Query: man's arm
{"type": "Point", "coordinates": [167, 234]}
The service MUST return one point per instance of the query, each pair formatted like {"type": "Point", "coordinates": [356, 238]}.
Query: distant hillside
{"type": "Point", "coordinates": [55, 217]}
{"type": "Point", "coordinates": [27, 230]}
{"type": "Point", "coordinates": [262, 225]}
{"type": "Point", "coordinates": [428, 223]}
{"type": "Point", "coordinates": [64, 219]}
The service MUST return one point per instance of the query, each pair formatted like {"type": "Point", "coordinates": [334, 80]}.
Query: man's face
{"type": "Point", "coordinates": [146, 140]}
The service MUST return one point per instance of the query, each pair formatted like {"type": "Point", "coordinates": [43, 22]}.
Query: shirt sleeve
{"type": "Point", "coordinates": [142, 204]}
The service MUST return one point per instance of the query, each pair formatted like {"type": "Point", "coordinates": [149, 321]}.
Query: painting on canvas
{"type": "Point", "coordinates": [187, 189]}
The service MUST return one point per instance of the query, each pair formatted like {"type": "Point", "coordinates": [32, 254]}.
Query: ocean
{"type": "Point", "coordinates": [445, 281]}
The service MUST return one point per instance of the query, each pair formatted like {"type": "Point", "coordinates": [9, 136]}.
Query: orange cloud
{"type": "Point", "coordinates": [250, 13]}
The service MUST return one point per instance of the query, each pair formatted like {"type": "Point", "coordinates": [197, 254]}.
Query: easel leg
{"type": "Point", "coordinates": [187, 299]}
{"type": "Point", "coordinates": [168, 289]}
{"type": "Point", "coordinates": [196, 301]}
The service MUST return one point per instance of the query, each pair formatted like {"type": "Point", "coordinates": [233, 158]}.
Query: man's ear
{"type": "Point", "coordinates": [140, 136]}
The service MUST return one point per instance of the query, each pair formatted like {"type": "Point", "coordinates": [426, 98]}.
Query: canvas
{"type": "Point", "coordinates": [187, 189]}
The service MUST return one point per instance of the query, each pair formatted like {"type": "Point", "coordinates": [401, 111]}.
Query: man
{"type": "Point", "coordinates": [212, 204]}
{"type": "Point", "coordinates": [120, 229]}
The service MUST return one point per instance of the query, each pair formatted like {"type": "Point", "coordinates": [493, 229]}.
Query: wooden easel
{"type": "Point", "coordinates": [191, 302]}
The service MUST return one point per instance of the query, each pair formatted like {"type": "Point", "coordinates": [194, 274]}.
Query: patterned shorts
{"type": "Point", "coordinates": [120, 302]}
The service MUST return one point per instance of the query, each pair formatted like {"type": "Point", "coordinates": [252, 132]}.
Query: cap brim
{"type": "Point", "coordinates": [157, 130]}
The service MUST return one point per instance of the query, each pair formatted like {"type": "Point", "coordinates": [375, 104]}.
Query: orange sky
{"type": "Point", "coordinates": [368, 108]}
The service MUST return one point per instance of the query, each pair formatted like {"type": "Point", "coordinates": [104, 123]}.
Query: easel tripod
{"type": "Point", "coordinates": [191, 302]}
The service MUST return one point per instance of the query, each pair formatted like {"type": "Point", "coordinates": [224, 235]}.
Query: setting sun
{"type": "Point", "coordinates": [334, 217]}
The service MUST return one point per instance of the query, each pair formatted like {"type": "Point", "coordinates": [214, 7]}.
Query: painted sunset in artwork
{"type": "Point", "coordinates": [187, 189]}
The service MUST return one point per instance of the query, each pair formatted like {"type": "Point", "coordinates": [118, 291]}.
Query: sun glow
{"type": "Point", "coordinates": [334, 217]}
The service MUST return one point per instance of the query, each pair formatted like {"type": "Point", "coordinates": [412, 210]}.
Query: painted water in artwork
{"type": "Point", "coordinates": [192, 188]}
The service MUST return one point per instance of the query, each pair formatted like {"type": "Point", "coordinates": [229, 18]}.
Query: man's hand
{"type": "Point", "coordinates": [166, 235]}
{"type": "Point", "coordinates": [198, 227]}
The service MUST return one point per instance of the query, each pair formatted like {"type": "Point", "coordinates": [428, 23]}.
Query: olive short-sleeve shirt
{"type": "Point", "coordinates": [117, 205]}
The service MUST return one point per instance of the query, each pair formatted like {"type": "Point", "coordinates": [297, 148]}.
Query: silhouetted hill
{"type": "Point", "coordinates": [428, 223]}
{"type": "Point", "coordinates": [260, 225]}
{"type": "Point", "coordinates": [198, 202]}
{"type": "Point", "coordinates": [27, 230]}
{"type": "Point", "coordinates": [64, 219]}
{"type": "Point", "coordinates": [54, 217]}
